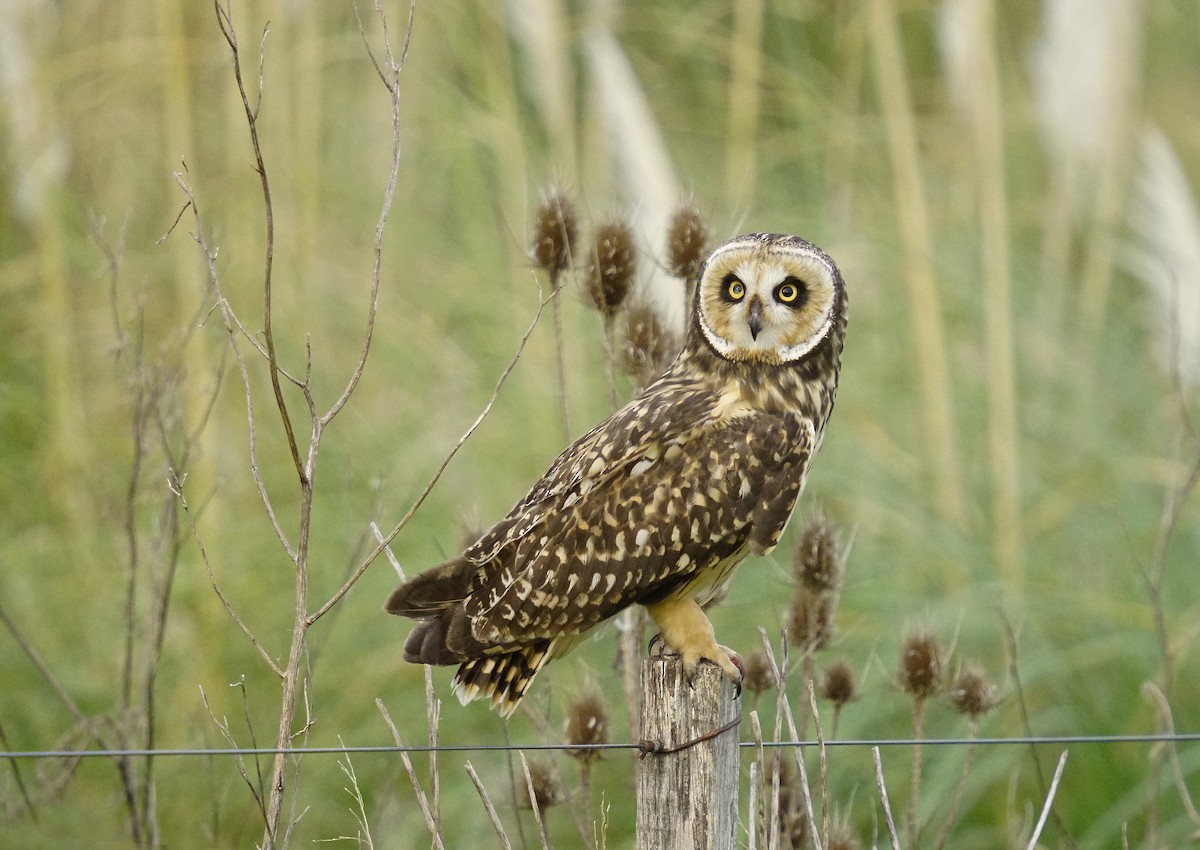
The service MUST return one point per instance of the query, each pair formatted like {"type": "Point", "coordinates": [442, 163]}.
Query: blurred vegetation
{"type": "Point", "coordinates": [112, 358]}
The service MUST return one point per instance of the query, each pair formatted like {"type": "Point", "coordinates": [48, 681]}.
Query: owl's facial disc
{"type": "Point", "coordinates": [767, 301]}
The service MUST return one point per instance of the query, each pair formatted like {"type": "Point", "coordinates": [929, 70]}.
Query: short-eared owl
{"type": "Point", "coordinates": [659, 503]}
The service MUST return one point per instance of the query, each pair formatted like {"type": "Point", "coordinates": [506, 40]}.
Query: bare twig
{"type": "Point", "coordinates": [437, 475]}
{"type": "Point", "coordinates": [176, 485]}
{"type": "Point", "coordinates": [1041, 822]}
{"type": "Point", "coordinates": [225, 22]}
{"type": "Point", "coordinates": [491, 810]}
{"type": "Point", "coordinates": [422, 799]}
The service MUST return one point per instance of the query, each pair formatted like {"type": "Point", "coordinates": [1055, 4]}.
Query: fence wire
{"type": "Point", "coordinates": [1177, 738]}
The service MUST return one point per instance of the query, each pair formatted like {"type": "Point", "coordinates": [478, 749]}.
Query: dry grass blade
{"type": "Point", "coordinates": [1041, 822]}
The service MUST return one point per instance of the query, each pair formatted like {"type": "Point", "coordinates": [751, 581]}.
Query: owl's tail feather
{"type": "Point", "coordinates": [502, 678]}
{"type": "Point", "coordinates": [433, 591]}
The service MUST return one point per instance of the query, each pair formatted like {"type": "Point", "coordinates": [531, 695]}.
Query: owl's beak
{"type": "Point", "coordinates": [755, 321]}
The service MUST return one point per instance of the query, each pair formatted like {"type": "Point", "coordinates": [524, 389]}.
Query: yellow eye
{"type": "Point", "coordinates": [735, 288]}
{"type": "Point", "coordinates": [788, 292]}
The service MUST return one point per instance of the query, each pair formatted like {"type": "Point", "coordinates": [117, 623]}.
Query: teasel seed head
{"type": "Point", "coordinates": [758, 677]}
{"type": "Point", "coordinates": [842, 837]}
{"type": "Point", "coordinates": [972, 693]}
{"type": "Point", "coordinates": [921, 665]}
{"type": "Point", "coordinates": [554, 233]}
{"type": "Point", "coordinates": [648, 348]}
{"type": "Point", "coordinates": [587, 725]}
{"type": "Point", "coordinates": [687, 235]}
{"type": "Point", "coordinates": [547, 786]}
{"type": "Point", "coordinates": [838, 685]}
{"type": "Point", "coordinates": [612, 264]}
{"type": "Point", "coordinates": [817, 563]}
{"type": "Point", "coordinates": [811, 623]}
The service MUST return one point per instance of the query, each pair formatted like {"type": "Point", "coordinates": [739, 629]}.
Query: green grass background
{"type": "Point", "coordinates": [110, 101]}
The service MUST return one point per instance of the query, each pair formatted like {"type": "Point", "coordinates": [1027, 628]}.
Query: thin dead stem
{"type": "Point", "coordinates": [1041, 822]}
{"type": "Point", "coordinates": [883, 799]}
{"type": "Point", "coordinates": [420, 500]}
{"type": "Point", "coordinates": [422, 799]}
{"type": "Point", "coordinates": [491, 810]}
{"type": "Point", "coordinates": [533, 804]}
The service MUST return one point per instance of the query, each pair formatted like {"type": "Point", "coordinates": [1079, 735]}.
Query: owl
{"type": "Point", "coordinates": [660, 503]}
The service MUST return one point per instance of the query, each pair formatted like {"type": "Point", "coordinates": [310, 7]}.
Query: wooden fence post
{"type": "Point", "coordinates": [687, 793]}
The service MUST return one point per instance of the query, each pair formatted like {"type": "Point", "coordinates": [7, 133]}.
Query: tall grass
{"type": "Point", "coordinates": [844, 131]}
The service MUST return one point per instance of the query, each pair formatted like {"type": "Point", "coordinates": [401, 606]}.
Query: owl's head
{"type": "Point", "coordinates": [768, 298]}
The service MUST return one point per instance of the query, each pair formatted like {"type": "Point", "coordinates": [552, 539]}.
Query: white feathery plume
{"type": "Point", "coordinates": [644, 167]}
{"type": "Point", "coordinates": [957, 32]}
{"type": "Point", "coordinates": [1165, 220]}
{"type": "Point", "coordinates": [1083, 68]}
{"type": "Point", "coordinates": [39, 149]}
{"type": "Point", "coordinates": [539, 27]}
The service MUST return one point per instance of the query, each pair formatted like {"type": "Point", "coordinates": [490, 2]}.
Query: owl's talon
{"type": "Point", "coordinates": [659, 648]}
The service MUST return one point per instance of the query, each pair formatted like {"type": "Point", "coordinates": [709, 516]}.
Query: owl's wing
{"type": "Point", "coordinates": [685, 502]}
{"type": "Point", "coordinates": [663, 415]}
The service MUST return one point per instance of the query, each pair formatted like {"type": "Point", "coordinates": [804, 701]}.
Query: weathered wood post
{"type": "Point", "coordinates": [687, 784]}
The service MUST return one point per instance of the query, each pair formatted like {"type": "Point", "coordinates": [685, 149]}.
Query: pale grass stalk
{"type": "Point", "coordinates": [1166, 721]}
{"type": "Point", "coordinates": [759, 823]}
{"type": "Point", "coordinates": [928, 334]}
{"type": "Point", "coordinates": [1041, 822]}
{"type": "Point", "coordinates": [883, 799]}
{"type": "Point", "coordinates": [784, 711]}
{"type": "Point", "coordinates": [433, 717]}
{"type": "Point", "coordinates": [752, 819]}
{"type": "Point", "coordinates": [493, 817]}
{"type": "Point", "coordinates": [985, 102]}
{"type": "Point", "coordinates": [642, 162]}
{"type": "Point", "coordinates": [822, 761]}
{"type": "Point", "coordinates": [745, 76]}
{"type": "Point", "coordinates": [431, 822]}
{"type": "Point", "coordinates": [533, 804]}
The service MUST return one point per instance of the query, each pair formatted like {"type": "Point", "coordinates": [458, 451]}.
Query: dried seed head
{"type": "Point", "coordinates": [811, 624]}
{"type": "Point", "coordinates": [842, 837]}
{"type": "Point", "coordinates": [921, 665]}
{"type": "Point", "coordinates": [839, 687]}
{"type": "Point", "coordinates": [649, 347]}
{"type": "Point", "coordinates": [547, 786]}
{"type": "Point", "coordinates": [612, 264]}
{"type": "Point", "coordinates": [972, 693]}
{"type": "Point", "coordinates": [758, 676]}
{"type": "Point", "coordinates": [587, 724]}
{"type": "Point", "coordinates": [817, 563]}
{"type": "Point", "coordinates": [554, 233]}
{"type": "Point", "coordinates": [686, 238]}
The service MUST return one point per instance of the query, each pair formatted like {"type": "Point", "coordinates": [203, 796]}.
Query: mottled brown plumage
{"type": "Point", "coordinates": [661, 502]}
